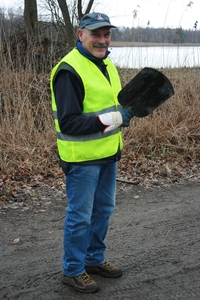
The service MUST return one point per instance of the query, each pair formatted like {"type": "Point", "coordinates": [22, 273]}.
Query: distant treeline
{"type": "Point", "coordinates": [156, 35]}
{"type": "Point", "coordinates": [15, 25]}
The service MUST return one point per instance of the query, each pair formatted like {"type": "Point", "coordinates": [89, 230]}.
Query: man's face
{"type": "Point", "coordinates": [95, 41]}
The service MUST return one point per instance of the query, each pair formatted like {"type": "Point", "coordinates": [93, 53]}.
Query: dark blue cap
{"type": "Point", "coordinates": [95, 20]}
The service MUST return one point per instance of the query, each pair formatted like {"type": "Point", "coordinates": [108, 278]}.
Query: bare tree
{"type": "Point", "coordinates": [71, 13]}
{"type": "Point", "coordinates": [34, 40]}
{"type": "Point", "coordinates": [80, 9]}
{"type": "Point", "coordinates": [72, 20]}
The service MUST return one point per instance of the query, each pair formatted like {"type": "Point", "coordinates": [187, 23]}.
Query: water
{"type": "Point", "coordinates": [156, 57]}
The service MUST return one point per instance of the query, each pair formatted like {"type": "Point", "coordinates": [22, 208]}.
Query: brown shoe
{"type": "Point", "coordinates": [105, 270]}
{"type": "Point", "coordinates": [82, 283]}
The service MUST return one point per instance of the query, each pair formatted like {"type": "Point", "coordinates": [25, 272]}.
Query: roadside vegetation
{"type": "Point", "coordinates": [28, 144]}
{"type": "Point", "coordinates": [161, 144]}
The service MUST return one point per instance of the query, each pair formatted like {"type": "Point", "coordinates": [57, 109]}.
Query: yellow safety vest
{"type": "Point", "coordinates": [100, 97]}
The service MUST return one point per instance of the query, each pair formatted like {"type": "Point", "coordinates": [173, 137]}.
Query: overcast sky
{"type": "Point", "coordinates": [155, 13]}
{"type": "Point", "coordinates": [158, 13]}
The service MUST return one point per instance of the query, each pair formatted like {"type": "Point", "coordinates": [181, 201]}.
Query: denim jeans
{"type": "Point", "coordinates": [91, 193]}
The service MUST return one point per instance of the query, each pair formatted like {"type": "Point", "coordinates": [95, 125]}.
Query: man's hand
{"type": "Point", "coordinates": [127, 115]}
{"type": "Point", "coordinates": [116, 119]}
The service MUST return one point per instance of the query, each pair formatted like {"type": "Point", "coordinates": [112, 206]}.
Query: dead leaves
{"type": "Point", "coordinates": [132, 169]}
{"type": "Point", "coordinates": [16, 241]}
{"type": "Point", "coordinates": [143, 171]}
{"type": "Point", "coordinates": [20, 183]}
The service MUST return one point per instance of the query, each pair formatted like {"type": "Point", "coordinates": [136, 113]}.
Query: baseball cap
{"type": "Point", "coordinates": [95, 20]}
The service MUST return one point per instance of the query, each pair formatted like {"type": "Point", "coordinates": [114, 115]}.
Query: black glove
{"type": "Point", "coordinates": [127, 115]}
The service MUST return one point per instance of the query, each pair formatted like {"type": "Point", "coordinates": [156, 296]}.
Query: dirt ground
{"type": "Point", "coordinates": [154, 235]}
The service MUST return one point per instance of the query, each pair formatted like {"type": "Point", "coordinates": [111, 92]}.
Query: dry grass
{"type": "Point", "coordinates": [27, 129]}
{"type": "Point", "coordinates": [26, 123]}
{"type": "Point", "coordinates": [173, 130]}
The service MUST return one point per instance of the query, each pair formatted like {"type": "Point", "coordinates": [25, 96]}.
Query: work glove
{"type": "Point", "coordinates": [127, 115]}
{"type": "Point", "coordinates": [115, 119]}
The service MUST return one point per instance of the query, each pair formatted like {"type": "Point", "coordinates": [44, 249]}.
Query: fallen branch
{"type": "Point", "coordinates": [128, 181]}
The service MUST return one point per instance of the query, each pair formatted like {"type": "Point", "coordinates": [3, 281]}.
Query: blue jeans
{"type": "Point", "coordinates": [91, 193]}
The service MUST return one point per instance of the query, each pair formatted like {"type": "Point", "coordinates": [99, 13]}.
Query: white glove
{"type": "Point", "coordinates": [112, 120]}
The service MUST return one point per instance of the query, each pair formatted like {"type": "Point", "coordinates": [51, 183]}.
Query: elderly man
{"type": "Point", "coordinates": [88, 120]}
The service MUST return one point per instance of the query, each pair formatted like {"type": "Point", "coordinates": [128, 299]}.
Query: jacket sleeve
{"type": "Point", "coordinates": [69, 95]}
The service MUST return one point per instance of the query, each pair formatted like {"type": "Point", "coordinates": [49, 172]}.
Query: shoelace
{"type": "Point", "coordinates": [106, 264]}
{"type": "Point", "coordinates": [85, 277]}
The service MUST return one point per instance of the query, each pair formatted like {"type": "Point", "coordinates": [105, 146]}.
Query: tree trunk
{"type": "Point", "coordinates": [31, 16]}
{"type": "Point", "coordinates": [80, 12]}
{"type": "Point", "coordinates": [68, 24]}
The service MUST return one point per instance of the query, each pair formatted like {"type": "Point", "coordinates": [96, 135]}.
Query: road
{"type": "Point", "coordinates": [154, 235]}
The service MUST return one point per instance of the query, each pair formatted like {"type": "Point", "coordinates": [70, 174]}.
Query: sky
{"type": "Point", "coordinates": [149, 13]}
{"type": "Point", "coordinates": [156, 13]}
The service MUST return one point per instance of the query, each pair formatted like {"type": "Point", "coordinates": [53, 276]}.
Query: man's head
{"type": "Point", "coordinates": [94, 33]}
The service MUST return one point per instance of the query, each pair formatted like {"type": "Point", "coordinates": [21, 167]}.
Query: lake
{"type": "Point", "coordinates": [155, 57]}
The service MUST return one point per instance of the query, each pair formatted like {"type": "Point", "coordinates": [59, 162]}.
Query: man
{"type": "Point", "coordinates": [88, 120]}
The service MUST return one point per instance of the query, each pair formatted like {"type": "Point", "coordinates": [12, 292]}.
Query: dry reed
{"type": "Point", "coordinates": [173, 130]}
{"type": "Point", "coordinates": [27, 132]}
